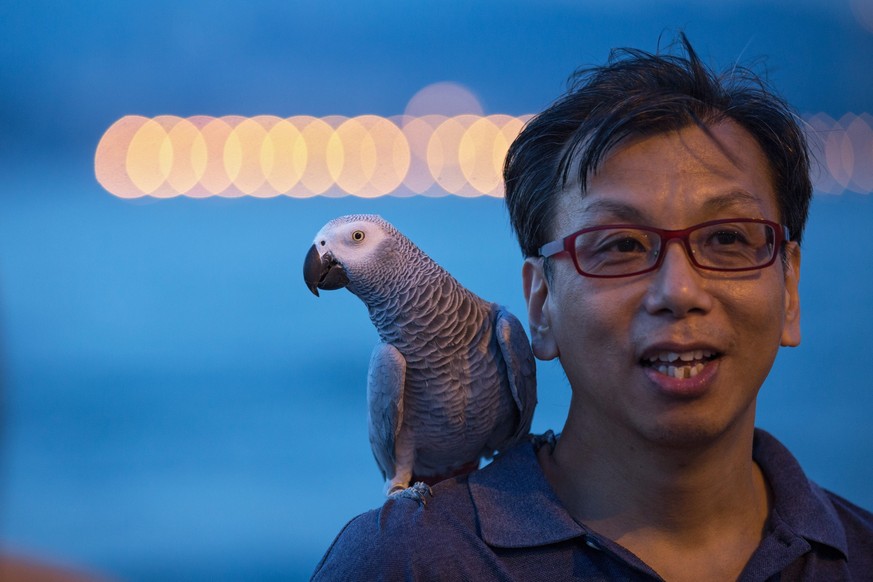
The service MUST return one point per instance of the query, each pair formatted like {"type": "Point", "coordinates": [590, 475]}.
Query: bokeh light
{"type": "Point", "coordinates": [843, 151]}
{"type": "Point", "coordinates": [862, 10]}
{"type": "Point", "coordinates": [443, 144]}
{"type": "Point", "coordinates": [444, 98]}
{"type": "Point", "coordinates": [302, 156]}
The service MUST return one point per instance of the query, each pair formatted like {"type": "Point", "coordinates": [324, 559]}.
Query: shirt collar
{"type": "Point", "coordinates": [515, 505]}
{"type": "Point", "coordinates": [798, 503]}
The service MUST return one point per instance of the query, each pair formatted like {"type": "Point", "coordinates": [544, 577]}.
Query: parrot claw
{"type": "Point", "coordinates": [419, 492]}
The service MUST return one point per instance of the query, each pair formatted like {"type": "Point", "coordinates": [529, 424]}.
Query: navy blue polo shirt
{"type": "Point", "coordinates": [504, 522]}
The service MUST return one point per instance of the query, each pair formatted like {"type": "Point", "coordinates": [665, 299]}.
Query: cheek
{"type": "Point", "coordinates": [758, 316]}
{"type": "Point", "coordinates": [591, 328]}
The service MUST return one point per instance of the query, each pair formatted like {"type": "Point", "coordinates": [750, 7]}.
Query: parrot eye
{"type": "Point", "coordinates": [358, 235]}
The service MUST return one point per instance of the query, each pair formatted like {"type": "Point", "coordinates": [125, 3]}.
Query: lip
{"type": "Point", "coordinates": [685, 388]}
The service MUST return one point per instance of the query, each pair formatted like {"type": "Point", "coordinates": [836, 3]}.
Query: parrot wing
{"type": "Point", "coordinates": [385, 381]}
{"type": "Point", "coordinates": [520, 367]}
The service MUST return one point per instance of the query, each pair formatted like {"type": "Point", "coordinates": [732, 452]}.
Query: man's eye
{"type": "Point", "coordinates": [622, 245]}
{"type": "Point", "coordinates": [727, 238]}
{"type": "Point", "coordinates": [628, 245]}
{"type": "Point", "coordinates": [625, 245]}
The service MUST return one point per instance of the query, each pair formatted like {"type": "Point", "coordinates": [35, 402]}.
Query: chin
{"type": "Point", "coordinates": [697, 423]}
{"type": "Point", "coordinates": [686, 434]}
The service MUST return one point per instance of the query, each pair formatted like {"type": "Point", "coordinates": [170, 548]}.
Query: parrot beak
{"type": "Point", "coordinates": [323, 272]}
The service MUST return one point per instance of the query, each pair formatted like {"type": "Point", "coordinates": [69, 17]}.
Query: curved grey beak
{"type": "Point", "coordinates": [323, 272]}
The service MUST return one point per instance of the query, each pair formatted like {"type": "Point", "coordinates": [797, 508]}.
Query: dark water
{"type": "Point", "coordinates": [177, 406]}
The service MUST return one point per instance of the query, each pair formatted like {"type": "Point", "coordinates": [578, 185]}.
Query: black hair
{"type": "Point", "coordinates": [639, 94]}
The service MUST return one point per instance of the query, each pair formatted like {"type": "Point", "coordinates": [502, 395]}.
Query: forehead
{"type": "Point", "coordinates": [674, 180]}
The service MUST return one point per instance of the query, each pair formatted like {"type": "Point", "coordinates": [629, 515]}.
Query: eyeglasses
{"type": "Point", "coordinates": [622, 250]}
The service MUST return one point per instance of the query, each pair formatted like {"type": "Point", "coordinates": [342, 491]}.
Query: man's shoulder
{"type": "Point", "coordinates": [437, 533]}
{"type": "Point", "coordinates": [387, 541]}
{"type": "Point", "coordinates": [452, 531]}
{"type": "Point", "coordinates": [833, 525]}
{"type": "Point", "coordinates": [857, 523]}
{"type": "Point", "coordinates": [795, 492]}
{"type": "Point", "coordinates": [447, 508]}
{"type": "Point", "coordinates": [850, 513]}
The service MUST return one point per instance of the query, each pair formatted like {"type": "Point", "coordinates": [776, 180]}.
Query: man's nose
{"type": "Point", "coordinates": [677, 287]}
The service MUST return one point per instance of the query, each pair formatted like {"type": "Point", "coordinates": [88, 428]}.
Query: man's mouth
{"type": "Point", "coordinates": [679, 364]}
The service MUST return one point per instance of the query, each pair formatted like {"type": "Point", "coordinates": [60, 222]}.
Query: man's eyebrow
{"type": "Point", "coordinates": [613, 208]}
{"type": "Point", "coordinates": [733, 200]}
{"type": "Point", "coordinates": [736, 199]}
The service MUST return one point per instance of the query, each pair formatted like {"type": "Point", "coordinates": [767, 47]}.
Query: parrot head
{"type": "Point", "coordinates": [343, 249]}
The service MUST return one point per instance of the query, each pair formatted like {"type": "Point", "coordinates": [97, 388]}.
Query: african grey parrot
{"type": "Point", "coordinates": [453, 378]}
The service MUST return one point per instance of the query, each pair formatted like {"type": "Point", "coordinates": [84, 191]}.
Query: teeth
{"type": "Point", "coordinates": [670, 357]}
{"type": "Point", "coordinates": [681, 372]}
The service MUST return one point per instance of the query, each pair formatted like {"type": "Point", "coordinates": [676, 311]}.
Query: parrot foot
{"type": "Point", "coordinates": [419, 492]}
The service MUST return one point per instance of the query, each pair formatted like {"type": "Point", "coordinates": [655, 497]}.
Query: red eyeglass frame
{"type": "Point", "coordinates": [567, 244]}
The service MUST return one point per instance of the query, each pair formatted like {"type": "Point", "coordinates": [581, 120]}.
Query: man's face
{"type": "Point", "coordinates": [615, 336]}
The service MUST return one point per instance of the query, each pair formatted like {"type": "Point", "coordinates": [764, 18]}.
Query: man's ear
{"type": "Point", "coordinates": [536, 294]}
{"type": "Point", "coordinates": [791, 325]}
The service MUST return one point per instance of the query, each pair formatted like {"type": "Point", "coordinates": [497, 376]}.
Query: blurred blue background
{"type": "Point", "coordinates": [176, 404]}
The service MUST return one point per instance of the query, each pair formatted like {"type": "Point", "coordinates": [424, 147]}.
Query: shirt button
{"type": "Point", "coordinates": [592, 544]}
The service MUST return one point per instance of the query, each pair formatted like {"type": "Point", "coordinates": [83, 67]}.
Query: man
{"type": "Point", "coordinates": [660, 209]}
